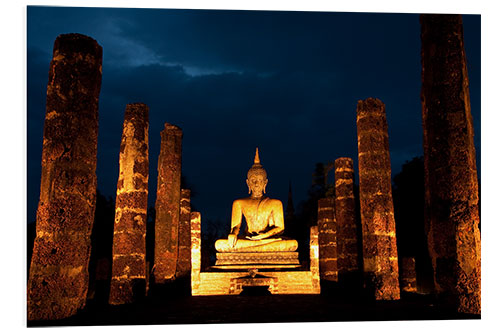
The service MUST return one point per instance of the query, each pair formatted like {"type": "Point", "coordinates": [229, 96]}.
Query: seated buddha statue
{"type": "Point", "coordinates": [263, 216]}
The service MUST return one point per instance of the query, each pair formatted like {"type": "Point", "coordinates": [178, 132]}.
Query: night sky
{"type": "Point", "coordinates": [286, 82]}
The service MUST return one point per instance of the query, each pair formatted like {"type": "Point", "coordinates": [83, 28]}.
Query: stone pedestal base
{"type": "Point", "coordinates": [259, 258]}
{"type": "Point", "coordinates": [280, 271]}
{"type": "Point", "coordinates": [279, 282]}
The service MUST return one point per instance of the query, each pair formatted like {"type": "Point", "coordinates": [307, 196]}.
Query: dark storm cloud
{"type": "Point", "coordinates": [287, 82]}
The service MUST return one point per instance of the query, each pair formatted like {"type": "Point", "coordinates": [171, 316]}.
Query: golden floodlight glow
{"type": "Point", "coordinates": [240, 257]}
{"type": "Point", "coordinates": [129, 238]}
{"type": "Point", "coordinates": [263, 215]}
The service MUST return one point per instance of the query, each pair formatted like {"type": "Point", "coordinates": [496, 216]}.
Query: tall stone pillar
{"type": "Point", "coordinates": [184, 260]}
{"type": "Point", "coordinates": [347, 241]}
{"type": "Point", "coordinates": [380, 257]}
{"type": "Point", "coordinates": [314, 258]}
{"type": "Point", "coordinates": [408, 275]}
{"type": "Point", "coordinates": [128, 280]}
{"type": "Point", "coordinates": [168, 204]}
{"type": "Point", "coordinates": [327, 239]}
{"type": "Point", "coordinates": [58, 278]}
{"type": "Point", "coordinates": [451, 187]}
{"type": "Point", "coordinates": [195, 252]}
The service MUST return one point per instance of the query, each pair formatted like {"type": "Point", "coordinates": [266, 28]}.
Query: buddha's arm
{"type": "Point", "coordinates": [235, 223]}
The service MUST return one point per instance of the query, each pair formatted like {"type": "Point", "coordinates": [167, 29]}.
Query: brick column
{"type": "Point", "coordinates": [128, 280]}
{"type": "Point", "coordinates": [195, 252]}
{"type": "Point", "coordinates": [451, 187]}
{"type": "Point", "coordinates": [314, 257]}
{"type": "Point", "coordinates": [184, 260]}
{"type": "Point", "coordinates": [168, 204]}
{"type": "Point", "coordinates": [408, 275]}
{"type": "Point", "coordinates": [347, 241]}
{"type": "Point", "coordinates": [380, 257]}
{"type": "Point", "coordinates": [327, 239]}
{"type": "Point", "coordinates": [58, 278]}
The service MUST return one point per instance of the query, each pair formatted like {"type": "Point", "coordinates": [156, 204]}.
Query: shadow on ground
{"type": "Point", "coordinates": [173, 304]}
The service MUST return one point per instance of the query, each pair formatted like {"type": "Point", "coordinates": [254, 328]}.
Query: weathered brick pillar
{"type": "Point", "coordinates": [327, 239]}
{"type": "Point", "coordinates": [380, 256]}
{"type": "Point", "coordinates": [345, 216]}
{"type": "Point", "coordinates": [408, 275]}
{"type": "Point", "coordinates": [184, 260]}
{"type": "Point", "coordinates": [314, 258]}
{"type": "Point", "coordinates": [168, 204]}
{"type": "Point", "coordinates": [195, 252]}
{"type": "Point", "coordinates": [128, 280]}
{"type": "Point", "coordinates": [58, 278]}
{"type": "Point", "coordinates": [451, 187]}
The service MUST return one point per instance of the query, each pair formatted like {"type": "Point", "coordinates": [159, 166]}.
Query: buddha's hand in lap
{"type": "Point", "coordinates": [231, 239]}
{"type": "Point", "coordinates": [256, 237]}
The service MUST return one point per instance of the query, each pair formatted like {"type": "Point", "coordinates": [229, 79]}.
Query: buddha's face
{"type": "Point", "coordinates": [257, 185]}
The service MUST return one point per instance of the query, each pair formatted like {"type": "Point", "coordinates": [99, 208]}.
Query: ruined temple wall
{"type": "Point", "coordinates": [327, 239]}
{"type": "Point", "coordinates": [380, 257]}
{"type": "Point", "coordinates": [345, 216]}
{"type": "Point", "coordinates": [168, 204]}
{"type": "Point", "coordinates": [451, 187]}
{"type": "Point", "coordinates": [129, 239]}
{"type": "Point", "coordinates": [58, 277]}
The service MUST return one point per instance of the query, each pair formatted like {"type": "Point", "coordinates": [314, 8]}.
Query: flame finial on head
{"type": "Point", "coordinates": [256, 160]}
{"type": "Point", "coordinates": [256, 167]}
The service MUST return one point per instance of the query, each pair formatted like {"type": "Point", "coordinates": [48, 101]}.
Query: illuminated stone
{"type": "Point", "coordinates": [184, 260]}
{"type": "Point", "coordinates": [263, 216]}
{"type": "Point", "coordinates": [58, 277]}
{"type": "Point", "coordinates": [380, 257]}
{"type": "Point", "coordinates": [451, 196]}
{"type": "Point", "coordinates": [327, 239]}
{"type": "Point", "coordinates": [408, 275]}
{"type": "Point", "coordinates": [347, 239]}
{"type": "Point", "coordinates": [232, 282]}
{"type": "Point", "coordinates": [314, 259]}
{"type": "Point", "coordinates": [240, 259]}
{"type": "Point", "coordinates": [168, 198]}
{"type": "Point", "coordinates": [195, 252]}
{"type": "Point", "coordinates": [128, 280]}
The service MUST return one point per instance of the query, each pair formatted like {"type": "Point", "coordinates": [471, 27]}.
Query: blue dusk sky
{"type": "Point", "coordinates": [286, 82]}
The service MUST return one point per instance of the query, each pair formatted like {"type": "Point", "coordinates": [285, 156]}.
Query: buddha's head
{"type": "Point", "coordinates": [257, 177]}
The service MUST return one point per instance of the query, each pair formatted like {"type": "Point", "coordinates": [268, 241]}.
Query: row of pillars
{"type": "Point", "coordinates": [451, 186]}
{"type": "Point", "coordinates": [58, 277]}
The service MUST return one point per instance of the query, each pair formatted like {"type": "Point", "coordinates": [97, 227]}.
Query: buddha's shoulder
{"type": "Point", "coordinates": [240, 201]}
{"type": "Point", "coordinates": [270, 201]}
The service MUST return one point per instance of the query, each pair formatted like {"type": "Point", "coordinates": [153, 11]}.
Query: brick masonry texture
{"type": "Point", "coordinates": [451, 186]}
{"type": "Point", "coordinates": [380, 257]}
{"type": "Point", "coordinates": [58, 277]}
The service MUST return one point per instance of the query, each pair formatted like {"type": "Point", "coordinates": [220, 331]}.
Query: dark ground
{"type": "Point", "coordinates": [174, 305]}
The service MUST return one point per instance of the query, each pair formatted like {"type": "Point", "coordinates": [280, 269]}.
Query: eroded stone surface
{"type": "Point", "coordinates": [327, 239]}
{"type": "Point", "coordinates": [168, 198]}
{"type": "Point", "coordinates": [380, 257]}
{"type": "Point", "coordinates": [184, 260]}
{"type": "Point", "coordinates": [195, 252]}
{"type": "Point", "coordinates": [128, 281]}
{"type": "Point", "coordinates": [58, 279]}
{"type": "Point", "coordinates": [451, 196]}
{"type": "Point", "coordinates": [347, 241]}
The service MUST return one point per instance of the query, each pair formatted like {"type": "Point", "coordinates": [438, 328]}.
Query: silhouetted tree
{"type": "Point", "coordinates": [409, 197]}
{"type": "Point", "coordinates": [307, 212]}
{"type": "Point", "coordinates": [211, 231]}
